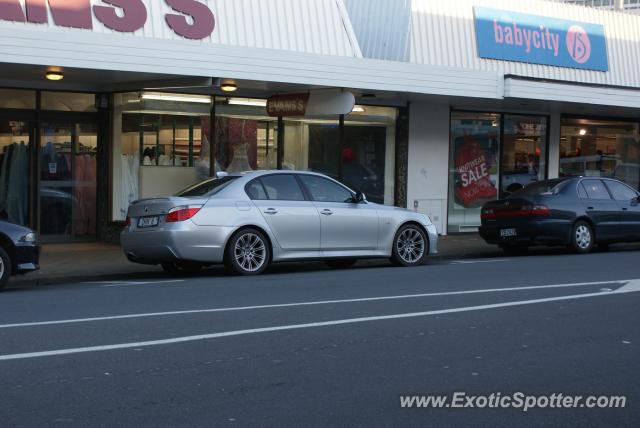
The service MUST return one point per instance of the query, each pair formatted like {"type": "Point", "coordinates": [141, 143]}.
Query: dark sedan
{"type": "Point", "coordinates": [577, 212]}
{"type": "Point", "coordinates": [19, 251]}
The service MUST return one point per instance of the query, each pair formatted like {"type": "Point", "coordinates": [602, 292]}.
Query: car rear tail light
{"type": "Point", "coordinates": [127, 222]}
{"type": "Point", "coordinates": [184, 213]}
{"type": "Point", "coordinates": [540, 211]}
{"type": "Point", "coordinates": [523, 211]}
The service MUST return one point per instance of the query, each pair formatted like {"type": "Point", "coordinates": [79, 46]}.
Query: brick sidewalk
{"type": "Point", "coordinates": [100, 261]}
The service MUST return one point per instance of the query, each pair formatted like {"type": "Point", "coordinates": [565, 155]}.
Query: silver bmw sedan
{"type": "Point", "coordinates": [247, 221]}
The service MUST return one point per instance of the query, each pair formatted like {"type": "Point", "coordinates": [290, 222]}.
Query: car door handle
{"type": "Point", "coordinates": [625, 209]}
{"type": "Point", "coordinates": [271, 211]}
{"type": "Point", "coordinates": [326, 212]}
{"type": "Point", "coordinates": [590, 208]}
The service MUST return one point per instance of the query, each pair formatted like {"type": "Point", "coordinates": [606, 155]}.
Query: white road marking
{"type": "Point", "coordinates": [313, 303]}
{"type": "Point", "coordinates": [125, 283]}
{"type": "Point", "coordinates": [632, 289]}
{"type": "Point", "coordinates": [473, 262]}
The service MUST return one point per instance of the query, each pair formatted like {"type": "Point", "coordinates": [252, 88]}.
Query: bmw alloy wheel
{"type": "Point", "coordinates": [250, 252]}
{"type": "Point", "coordinates": [410, 246]}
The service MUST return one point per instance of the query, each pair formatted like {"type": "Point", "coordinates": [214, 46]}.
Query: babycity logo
{"type": "Point", "coordinates": [529, 38]}
{"type": "Point", "coordinates": [578, 44]}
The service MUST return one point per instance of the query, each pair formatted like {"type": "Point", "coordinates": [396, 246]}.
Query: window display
{"type": "Point", "coordinates": [523, 158]}
{"type": "Point", "coordinates": [475, 149]}
{"type": "Point", "coordinates": [15, 149]}
{"type": "Point", "coordinates": [600, 148]}
{"type": "Point", "coordinates": [491, 156]}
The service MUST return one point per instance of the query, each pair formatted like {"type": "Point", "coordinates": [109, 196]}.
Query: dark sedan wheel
{"type": "Point", "coordinates": [410, 246]}
{"type": "Point", "coordinates": [582, 239]}
{"type": "Point", "coordinates": [5, 268]}
{"type": "Point", "coordinates": [248, 253]}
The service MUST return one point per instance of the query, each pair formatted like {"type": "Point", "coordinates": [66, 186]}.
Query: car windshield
{"type": "Point", "coordinates": [207, 188]}
{"type": "Point", "coordinates": [542, 187]}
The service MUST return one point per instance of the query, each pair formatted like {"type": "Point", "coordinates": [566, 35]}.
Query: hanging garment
{"type": "Point", "coordinates": [18, 190]}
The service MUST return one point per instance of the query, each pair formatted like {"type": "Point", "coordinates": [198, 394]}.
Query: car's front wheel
{"type": "Point", "coordinates": [410, 246]}
{"type": "Point", "coordinates": [248, 252]}
{"type": "Point", "coordinates": [5, 268]}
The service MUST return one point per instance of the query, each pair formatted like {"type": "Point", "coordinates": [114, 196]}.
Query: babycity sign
{"type": "Point", "coordinates": [535, 39]}
{"type": "Point", "coordinates": [125, 16]}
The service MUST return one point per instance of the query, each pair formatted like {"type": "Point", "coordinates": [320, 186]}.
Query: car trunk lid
{"type": "Point", "coordinates": [161, 206]}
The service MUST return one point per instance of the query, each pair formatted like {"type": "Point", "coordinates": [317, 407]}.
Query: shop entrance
{"type": "Point", "coordinates": [68, 179]}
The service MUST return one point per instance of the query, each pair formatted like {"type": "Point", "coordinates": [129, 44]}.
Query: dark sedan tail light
{"type": "Point", "coordinates": [522, 211]}
{"type": "Point", "coordinates": [182, 213]}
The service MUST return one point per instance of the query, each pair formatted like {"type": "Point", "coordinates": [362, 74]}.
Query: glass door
{"type": "Point", "coordinates": [68, 180]}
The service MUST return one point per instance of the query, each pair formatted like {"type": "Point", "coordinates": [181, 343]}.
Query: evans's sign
{"type": "Point", "coordinates": [535, 39]}
{"type": "Point", "coordinates": [191, 19]}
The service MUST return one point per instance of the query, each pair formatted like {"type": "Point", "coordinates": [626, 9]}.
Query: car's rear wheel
{"type": "Point", "coordinates": [410, 246]}
{"type": "Point", "coordinates": [582, 239]}
{"type": "Point", "coordinates": [5, 268]}
{"type": "Point", "coordinates": [341, 263]}
{"type": "Point", "coordinates": [248, 252]}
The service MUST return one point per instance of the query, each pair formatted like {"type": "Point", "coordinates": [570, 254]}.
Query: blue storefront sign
{"type": "Point", "coordinates": [511, 36]}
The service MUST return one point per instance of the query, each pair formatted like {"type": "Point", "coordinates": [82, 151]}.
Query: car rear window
{"type": "Point", "coordinates": [543, 187]}
{"type": "Point", "coordinates": [207, 188]}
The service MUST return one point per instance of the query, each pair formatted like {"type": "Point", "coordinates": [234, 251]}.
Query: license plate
{"type": "Point", "coordinates": [508, 233]}
{"type": "Point", "coordinates": [148, 222]}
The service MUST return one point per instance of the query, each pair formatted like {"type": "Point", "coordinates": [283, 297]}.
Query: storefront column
{"type": "Point", "coordinates": [554, 145]}
{"type": "Point", "coordinates": [427, 178]}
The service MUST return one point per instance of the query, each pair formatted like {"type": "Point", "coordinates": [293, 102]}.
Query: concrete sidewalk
{"type": "Point", "coordinates": [100, 261]}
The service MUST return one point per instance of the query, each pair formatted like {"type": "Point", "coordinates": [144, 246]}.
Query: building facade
{"type": "Point", "coordinates": [433, 106]}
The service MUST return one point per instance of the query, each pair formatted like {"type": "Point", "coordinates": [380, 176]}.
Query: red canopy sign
{"type": "Point", "coordinates": [316, 103]}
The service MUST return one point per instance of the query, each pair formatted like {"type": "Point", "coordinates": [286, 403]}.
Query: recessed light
{"type": "Point", "coordinates": [54, 75]}
{"type": "Point", "coordinates": [228, 86]}
{"type": "Point", "coordinates": [583, 132]}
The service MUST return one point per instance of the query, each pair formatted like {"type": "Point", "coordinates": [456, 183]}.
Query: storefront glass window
{"type": "Point", "coordinates": [68, 101]}
{"type": "Point", "coordinates": [600, 148]}
{"type": "Point", "coordinates": [474, 168]}
{"type": "Point", "coordinates": [368, 158]}
{"type": "Point", "coordinates": [162, 145]}
{"type": "Point", "coordinates": [246, 137]}
{"type": "Point", "coordinates": [523, 159]}
{"type": "Point", "coordinates": [15, 150]}
{"type": "Point", "coordinates": [18, 99]}
{"type": "Point", "coordinates": [68, 179]}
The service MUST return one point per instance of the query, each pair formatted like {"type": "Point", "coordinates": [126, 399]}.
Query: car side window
{"type": "Point", "coordinates": [323, 190]}
{"type": "Point", "coordinates": [596, 189]}
{"type": "Point", "coordinates": [282, 187]}
{"type": "Point", "coordinates": [621, 192]}
{"type": "Point", "coordinates": [582, 194]}
{"type": "Point", "coordinates": [255, 190]}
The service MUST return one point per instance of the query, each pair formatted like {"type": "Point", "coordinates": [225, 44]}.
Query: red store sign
{"type": "Point", "coordinates": [125, 16]}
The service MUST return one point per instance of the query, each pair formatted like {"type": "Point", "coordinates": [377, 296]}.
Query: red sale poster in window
{"type": "Point", "coordinates": [473, 185]}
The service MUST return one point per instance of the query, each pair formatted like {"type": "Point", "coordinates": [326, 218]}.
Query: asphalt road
{"type": "Point", "coordinates": [319, 347]}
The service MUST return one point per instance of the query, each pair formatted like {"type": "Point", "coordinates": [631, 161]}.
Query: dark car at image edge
{"type": "Point", "coordinates": [578, 212]}
{"type": "Point", "coordinates": [19, 251]}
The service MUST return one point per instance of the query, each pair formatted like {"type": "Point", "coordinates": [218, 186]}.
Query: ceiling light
{"type": "Point", "coordinates": [247, 102]}
{"type": "Point", "coordinates": [228, 86]}
{"type": "Point", "coordinates": [54, 75]}
{"type": "Point", "coordinates": [358, 109]}
{"type": "Point", "coordinates": [583, 132]}
{"type": "Point", "coordinates": [201, 99]}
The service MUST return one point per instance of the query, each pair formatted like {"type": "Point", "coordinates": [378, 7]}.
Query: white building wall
{"type": "Point", "coordinates": [427, 180]}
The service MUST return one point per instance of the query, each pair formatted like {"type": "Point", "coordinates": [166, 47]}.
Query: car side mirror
{"type": "Point", "coordinates": [635, 201]}
{"type": "Point", "coordinates": [359, 198]}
